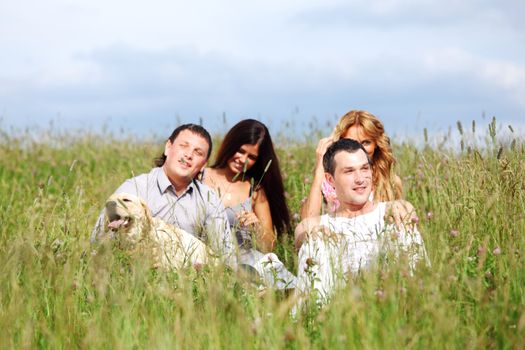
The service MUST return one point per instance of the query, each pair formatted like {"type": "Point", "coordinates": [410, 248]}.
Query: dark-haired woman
{"type": "Point", "coordinates": [247, 177]}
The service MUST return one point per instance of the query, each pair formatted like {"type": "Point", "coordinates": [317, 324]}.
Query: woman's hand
{"type": "Point", "coordinates": [248, 218]}
{"type": "Point", "coordinates": [312, 205]}
{"type": "Point", "coordinates": [322, 146]}
{"type": "Point", "coordinates": [265, 236]}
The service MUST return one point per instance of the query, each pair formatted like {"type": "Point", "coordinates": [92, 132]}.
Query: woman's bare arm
{"type": "Point", "coordinates": [312, 205]}
{"type": "Point", "coordinates": [262, 219]}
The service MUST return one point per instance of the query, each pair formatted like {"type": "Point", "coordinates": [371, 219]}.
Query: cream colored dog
{"type": "Point", "coordinates": [129, 221]}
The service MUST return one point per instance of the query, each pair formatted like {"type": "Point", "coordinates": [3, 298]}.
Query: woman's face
{"type": "Point", "coordinates": [357, 133]}
{"type": "Point", "coordinates": [246, 154]}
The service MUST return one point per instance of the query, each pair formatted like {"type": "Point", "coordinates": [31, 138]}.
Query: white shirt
{"type": "Point", "coordinates": [355, 244]}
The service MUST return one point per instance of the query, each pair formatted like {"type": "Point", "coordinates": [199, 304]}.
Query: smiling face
{"type": "Point", "coordinates": [352, 178]}
{"type": "Point", "coordinates": [186, 156]}
{"type": "Point", "coordinates": [357, 133]}
{"type": "Point", "coordinates": [243, 159]}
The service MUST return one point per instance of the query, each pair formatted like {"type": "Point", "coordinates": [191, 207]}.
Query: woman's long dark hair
{"type": "Point", "coordinates": [252, 132]}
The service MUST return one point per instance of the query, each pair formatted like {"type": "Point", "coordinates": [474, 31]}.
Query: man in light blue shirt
{"type": "Point", "coordinates": [174, 195]}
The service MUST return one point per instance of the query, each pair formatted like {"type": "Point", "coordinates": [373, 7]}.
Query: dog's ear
{"type": "Point", "coordinates": [147, 211]}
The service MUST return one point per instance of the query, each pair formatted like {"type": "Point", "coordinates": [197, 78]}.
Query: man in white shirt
{"type": "Point", "coordinates": [333, 246]}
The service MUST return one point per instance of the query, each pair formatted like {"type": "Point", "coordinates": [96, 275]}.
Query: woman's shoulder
{"type": "Point", "coordinates": [259, 194]}
{"type": "Point", "coordinates": [209, 176]}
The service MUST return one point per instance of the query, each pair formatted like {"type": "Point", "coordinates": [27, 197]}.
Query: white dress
{"type": "Point", "coordinates": [268, 266]}
{"type": "Point", "coordinates": [355, 244]}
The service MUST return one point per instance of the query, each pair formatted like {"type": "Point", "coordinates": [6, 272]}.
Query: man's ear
{"type": "Point", "coordinates": [167, 147]}
{"type": "Point", "coordinates": [330, 179]}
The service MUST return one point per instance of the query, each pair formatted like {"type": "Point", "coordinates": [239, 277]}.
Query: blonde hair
{"type": "Point", "coordinates": [387, 187]}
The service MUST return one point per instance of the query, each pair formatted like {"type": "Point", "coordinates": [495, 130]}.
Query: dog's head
{"type": "Point", "coordinates": [127, 218]}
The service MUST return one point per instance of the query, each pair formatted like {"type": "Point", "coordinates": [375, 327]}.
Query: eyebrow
{"type": "Point", "coordinates": [356, 166]}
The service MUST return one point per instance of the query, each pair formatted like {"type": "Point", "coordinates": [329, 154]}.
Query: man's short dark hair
{"type": "Point", "coordinates": [196, 129]}
{"type": "Point", "coordinates": [347, 145]}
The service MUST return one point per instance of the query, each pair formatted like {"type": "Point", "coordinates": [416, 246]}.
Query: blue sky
{"type": "Point", "coordinates": [144, 66]}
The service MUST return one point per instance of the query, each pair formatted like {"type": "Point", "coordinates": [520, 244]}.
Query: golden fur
{"type": "Point", "coordinates": [129, 221]}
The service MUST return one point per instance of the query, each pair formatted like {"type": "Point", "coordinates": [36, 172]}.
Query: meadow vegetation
{"type": "Point", "coordinates": [56, 291]}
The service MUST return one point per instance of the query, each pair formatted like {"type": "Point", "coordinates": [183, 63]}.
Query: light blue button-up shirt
{"type": "Point", "coordinates": [198, 210]}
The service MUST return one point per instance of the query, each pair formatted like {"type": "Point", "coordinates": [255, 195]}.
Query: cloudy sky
{"type": "Point", "coordinates": [144, 66]}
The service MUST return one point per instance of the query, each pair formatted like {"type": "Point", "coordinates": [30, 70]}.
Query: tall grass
{"type": "Point", "coordinates": [57, 292]}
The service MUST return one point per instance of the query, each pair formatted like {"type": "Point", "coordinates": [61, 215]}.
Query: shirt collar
{"type": "Point", "coordinates": [164, 183]}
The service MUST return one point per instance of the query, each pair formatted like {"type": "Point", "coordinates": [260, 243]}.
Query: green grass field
{"type": "Point", "coordinates": [55, 292]}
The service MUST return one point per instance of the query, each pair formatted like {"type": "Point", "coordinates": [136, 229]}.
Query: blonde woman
{"type": "Point", "coordinates": [367, 129]}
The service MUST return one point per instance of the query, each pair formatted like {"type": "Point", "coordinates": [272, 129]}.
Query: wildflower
{"type": "Point", "coordinates": [289, 335]}
{"type": "Point", "coordinates": [488, 274]}
{"type": "Point", "coordinates": [454, 233]}
{"type": "Point", "coordinates": [430, 215]}
{"type": "Point", "coordinates": [198, 267]}
{"type": "Point", "coordinates": [307, 180]}
{"type": "Point", "coordinates": [256, 325]}
{"type": "Point", "coordinates": [296, 217]}
{"type": "Point", "coordinates": [310, 262]}
{"type": "Point", "coordinates": [496, 251]}
{"type": "Point", "coordinates": [481, 251]}
{"type": "Point", "coordinates": [380, 294]}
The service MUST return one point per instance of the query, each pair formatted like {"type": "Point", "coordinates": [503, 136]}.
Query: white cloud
{"type": "Point", "coordinates": [122, 58]}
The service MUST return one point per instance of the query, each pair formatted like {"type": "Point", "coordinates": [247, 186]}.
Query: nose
{"type": "Point", "coordinates": [359, 177]}
{"type": "Point", "coordinates": [243, 158]}
{"type": "Point", "coordinates": [111, 205]}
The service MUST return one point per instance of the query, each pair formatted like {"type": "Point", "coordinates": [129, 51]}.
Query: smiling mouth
{"type": "Point", "coordinates": [239, 166]}
{"type": "Point", "coordinates": [360, 189]}
{"type": "Point", "coordinates": [184, 162]}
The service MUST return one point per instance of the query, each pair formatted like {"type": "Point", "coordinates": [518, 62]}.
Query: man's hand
{"type": "Point", "coordinates": [305, 232]}
{"type": "Point", "coordinates": [401, 213]}
{"type": "Point", "coordinates": [320, 232]}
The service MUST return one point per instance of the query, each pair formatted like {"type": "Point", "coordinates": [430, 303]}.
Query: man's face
{"type": "Point", "coordinates": [185, 157]}
{"type": "Point", "coordinates": [352, 178]}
